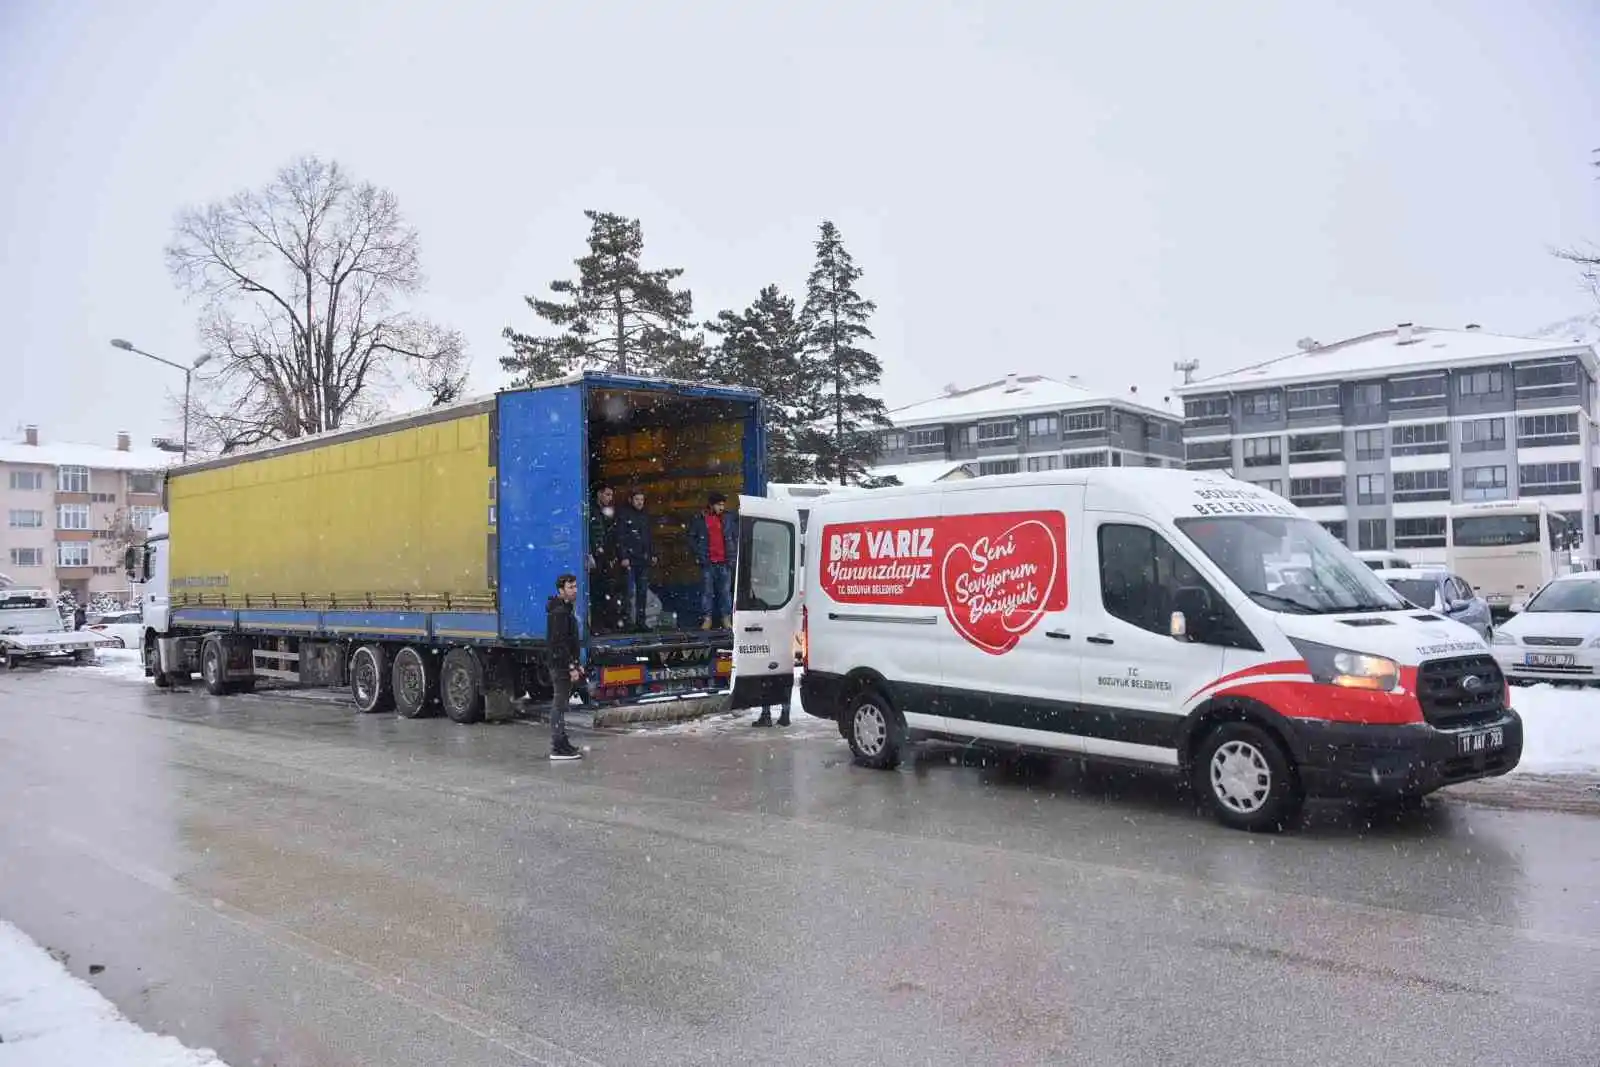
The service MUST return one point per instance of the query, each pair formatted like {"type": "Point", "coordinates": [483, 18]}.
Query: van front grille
{"type": "Point", "coordinates": [1454, 691]}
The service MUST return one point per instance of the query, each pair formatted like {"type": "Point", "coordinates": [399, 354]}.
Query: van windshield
{"type": "Point", "coordinates": [1290, 565]}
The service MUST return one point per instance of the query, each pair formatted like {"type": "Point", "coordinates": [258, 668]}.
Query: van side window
{"type": "Point", "coordinates": [1140, 575]}
{"type": "Point", "coordinates": [765, 566]}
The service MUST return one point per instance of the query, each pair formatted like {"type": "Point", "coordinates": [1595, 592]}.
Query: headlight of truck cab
{"type": "Point", "coordinates": [1349, 669]}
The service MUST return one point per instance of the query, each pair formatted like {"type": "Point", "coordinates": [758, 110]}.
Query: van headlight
{"type": "Point", "coordinates": [1349, 669]}
{"type": "Point", "coordinates": [1503, 638]}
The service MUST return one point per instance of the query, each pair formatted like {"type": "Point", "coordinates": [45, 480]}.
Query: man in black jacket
{"type": "Point", "coordinates": [565, 660]}
{"type": "Point", "coordinates": [637, 554]}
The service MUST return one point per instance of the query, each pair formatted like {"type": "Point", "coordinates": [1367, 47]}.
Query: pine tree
{"type": "Point", "coordinates": [616, 316]}
{"type": "Point", "coordinates": [842, 432]}
{"type": "Point", "coordinates": [762, 347]}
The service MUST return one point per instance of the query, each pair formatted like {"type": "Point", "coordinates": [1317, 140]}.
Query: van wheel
{"type": "Point", "coordinates": [1247, 779]}
{"type": "Point", "coordinates": [877, 734]}
{"type": "Point", "coordinates": [211, 667]}
{"type": "Point", "coordinates": [369, 680]}
{"type": "Point", "coordinates": [461, 686]}
{"type": "Point", "coordinates": [416, 682]}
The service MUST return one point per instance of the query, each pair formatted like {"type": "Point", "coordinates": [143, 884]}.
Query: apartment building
{"type": "Point", "coordinates": [1028, 423]}
{"type": "Point", "coordinates": [68, 510]}
{"type": "Point", "coordinates": [1375, 436]}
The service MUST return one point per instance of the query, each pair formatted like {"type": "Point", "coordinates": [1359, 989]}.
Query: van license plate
{"type": "Point", "coordinates": [1549, 659]}
{"type": "Point", "coordinates": [1491, 740]}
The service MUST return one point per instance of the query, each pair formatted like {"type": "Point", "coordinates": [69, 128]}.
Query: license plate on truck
{"type": "Point", "coordinates": [1490, 740]}
{"type": "Point", "coordinates": [1549, 659]}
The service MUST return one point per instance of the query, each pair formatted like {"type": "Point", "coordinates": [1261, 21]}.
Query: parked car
{"type": "Point", "coordinates": [125, 627]}
{"type": "Point", "coordinates": [1557, 636]}
{"type": "Point", "coordinates": [1436, 589]}
{"type": "Point", "coordinates": [1384, 560]}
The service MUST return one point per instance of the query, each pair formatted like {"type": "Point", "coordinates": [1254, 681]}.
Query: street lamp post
{"type": "Point", "coordinates": [188, 375]}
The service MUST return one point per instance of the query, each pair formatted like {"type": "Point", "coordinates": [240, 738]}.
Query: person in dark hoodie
{"type": "Point", "coordinates": [636, 552]}
{"type": "Point", "coordinates": [714, 538]}
{"type": "Point", "coordinates": [605, 576]}
{"type": "Point", "coordinates": [565, 660]}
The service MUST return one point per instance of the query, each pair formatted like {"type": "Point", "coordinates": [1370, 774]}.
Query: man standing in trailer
{"type": "Point", "coordinates": [714, 537]}
{"type": "Point", "coordinates": [636, 553]}
{"type": "Point", "coordinates": [605, 586]}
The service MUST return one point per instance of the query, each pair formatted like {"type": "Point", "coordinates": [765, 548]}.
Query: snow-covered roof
{"type": "Point", "coordinates": [1022, 395]}
{"type": "Point", "coordinates": [1579, 330]}
{"type": "Point", "coordinates": [1383, 353]}
{"type": "Point", "coordinates": [95, 457]}
{"type": "Point", "coordinates": [925, 473]}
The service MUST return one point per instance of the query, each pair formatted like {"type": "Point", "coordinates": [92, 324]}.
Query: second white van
{"type": "Point", "coordinates": [1123, 614]}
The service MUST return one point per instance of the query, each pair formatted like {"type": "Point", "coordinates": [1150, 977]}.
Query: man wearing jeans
{"type": "Point", "coordinates": [714, 537]}
{"type": "Point", "coordinates": [563, 645]}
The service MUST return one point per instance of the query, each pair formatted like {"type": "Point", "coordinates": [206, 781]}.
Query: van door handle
{"type": "Point", "coordinates": [1058, 635]}
{"type": "Point", "coordinates": [1101, 639]}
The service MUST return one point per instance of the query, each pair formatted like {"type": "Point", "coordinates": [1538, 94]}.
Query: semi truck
{"type": "Point", "coordinates": [412, 559]}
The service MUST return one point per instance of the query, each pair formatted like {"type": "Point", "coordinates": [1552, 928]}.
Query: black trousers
{"type": "Point", "coordinates": [560, 699]}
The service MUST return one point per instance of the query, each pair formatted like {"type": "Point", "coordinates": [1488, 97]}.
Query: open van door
{"type": "Point", "coordinates": [766, 603]}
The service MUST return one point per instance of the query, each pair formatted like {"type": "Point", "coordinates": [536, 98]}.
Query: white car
{"type": "Point", "coordinates": [124, 627]}
{"type": "Point", "coordinates": [1557, 636]}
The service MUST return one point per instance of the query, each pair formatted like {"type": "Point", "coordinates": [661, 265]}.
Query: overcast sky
{"type": "Point", "coordinates": [1044, 187]}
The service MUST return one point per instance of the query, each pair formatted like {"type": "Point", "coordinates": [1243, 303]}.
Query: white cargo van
{"type": "Point", "coordinates": [1126, 614]}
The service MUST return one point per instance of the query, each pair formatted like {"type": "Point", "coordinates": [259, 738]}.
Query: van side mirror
{"type": "Point", "coordinates": [1456, 607]}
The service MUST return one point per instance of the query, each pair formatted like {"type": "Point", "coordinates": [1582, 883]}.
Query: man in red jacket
{"type": "Point", "coordinates": [714, 537]}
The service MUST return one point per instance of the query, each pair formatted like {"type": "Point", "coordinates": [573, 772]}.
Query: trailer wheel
{"type": "Point", "coordinates": [461, 686]}
{"type": "Point", "coordinates": [415, 682]}
{"type": "Point", "coordinates": [369, 680]}
{"type": "Point", "coordinates": [212, 663]}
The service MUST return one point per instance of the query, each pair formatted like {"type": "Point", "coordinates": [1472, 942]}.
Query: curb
{"type": "Point", "coordinates": [666, 711]}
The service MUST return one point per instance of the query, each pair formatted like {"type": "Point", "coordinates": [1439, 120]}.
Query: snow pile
{"type": "Point", "coordinates": [48, 1018]}
{"type": "Point", "coordinates": [1560, 728]}
{"type": "Point", "coordinates": [122, 663]}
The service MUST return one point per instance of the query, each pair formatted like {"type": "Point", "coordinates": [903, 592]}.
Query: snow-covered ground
{"type": "Point", "coordinates": [1561, 730]}
{"type": "Point", "coordinates": [1562, 726]}
{"type": "Point", "coordinates": [48, 1018]}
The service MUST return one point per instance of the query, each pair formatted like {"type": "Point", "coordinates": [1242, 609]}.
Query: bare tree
{"type": "Point", "coordinates": [1587, 257]}
{"type": "Point", "coordinates": [303, 282]}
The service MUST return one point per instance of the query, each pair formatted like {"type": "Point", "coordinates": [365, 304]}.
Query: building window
{"type": "Point", "coordinates": [1414, 390]}
{"type": "Point", "coordinates": [1546, 376]}
{"type": "Point", "coordinates": [72, 516]}
{"type": "Point", "coordinates": [1371, 489]}
{"type": "Point", "coordinates": [1043, 426]}
{"type": "Point", "coordinates": [987, 433]}
{"type": "Point", "coordinates": [1414, 486]}
{"type": "Point", "coordinates": [1271, 485]}
{"type": "Point", "coordinates": [26, 519]}
{"type": "Point", "coordinates": [1369, 395]}
{"type": "Point", "coordinates": [150, 481]}
{"type": "Point", "coordinates": [1086, 459]}
{"type": "Point", "coordinates": [1311, 447]}
{"type": "Point", "coordinates": [27, 557]}
{"type": "Point", "coordinates": [1086, 421]}
{"type": "Point", "coordinates": [72, 479]}
{"type": "Point", "coordinates": [1337, 528]}
{"type": "Point", "coordinates": [27, 480]}
{"type": "Point", "coordinates": [1314, 398]}
{"type": "Point", "coordinates": [1209, 455]}
{"type": "Point", "coordinates": [923, 441]}
{"type": "Point", "coordinates": [1315, 492]}
{"type": "Point", "coordinates": [1422, 439]}
{"type": "Point", "coordinates": [1116, 459]}
{"type": "Point", "coordinates": [998, 466]}
{"type": "Point", "coordinates": [1549, 479]}
{"type": "Point", "coordinates": [141, 515]}
{"type": "Point", "coordinates": [1480, 383]}
{"type": "Point", "coordinates": [1484, 483]}
{"type": "Point", "coordinates": [892, 441]}
{"type": "Point", "coordinates": [1483, 435]}
{"type": "Point", "coordinates": [1268, 403]}
{"type": "Point", "coordinates": [1043, 463]}
{"type": "Point", "coordinates": [1369, 444]}
{"type": "Point", "coordinates": [1205, 407]}
{"type": "Point", "coordinates": [1372, 534]}
{"type": "Point", "coordinates": [1419, 533]}
{"type": "Point", "coordinates": [1263, 451]}
{"type": "Point", "coordinates": [72, 553]}
{"type": "Point", "coordinates": [1535, 431]}
{"type": "Point", "coordinates": [1152, 461]}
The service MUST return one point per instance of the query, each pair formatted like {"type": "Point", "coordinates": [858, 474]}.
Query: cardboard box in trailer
{"type": "Point", "coordinates": [412, 559]}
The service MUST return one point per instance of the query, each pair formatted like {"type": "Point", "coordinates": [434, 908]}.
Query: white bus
{"type": "Point", "coordinates": [1508, 549]}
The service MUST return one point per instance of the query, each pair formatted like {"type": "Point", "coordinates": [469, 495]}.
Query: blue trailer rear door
{"type": "Point", "coordinates": [541, 469]}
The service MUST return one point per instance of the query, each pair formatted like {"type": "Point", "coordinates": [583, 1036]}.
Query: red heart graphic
{"type": "Point", "coordinates": [998, 586]}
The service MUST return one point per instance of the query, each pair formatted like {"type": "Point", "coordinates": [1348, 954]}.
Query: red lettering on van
{"type": "Point", "coordinates": [995, 575]}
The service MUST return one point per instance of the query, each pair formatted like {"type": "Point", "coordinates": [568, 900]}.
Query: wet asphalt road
{"type": "Point", "coordinates": [292, 884]}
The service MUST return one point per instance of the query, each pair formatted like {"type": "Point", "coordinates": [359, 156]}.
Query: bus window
{"type": "Point", "coordinates": [1489, 531]}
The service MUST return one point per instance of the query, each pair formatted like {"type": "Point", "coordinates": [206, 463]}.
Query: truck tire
{"type": "Point", "coordinates": [213, 667]}
{"type": "Point", "coordinates": [369, 680]}
{"type": "Point", "coordinates": [1247, 779]}
{"type": "Point", "coordinates": [877, 733]}
{"type": "Point", "coordinates": [415, 681]}
{"type": "Point", "coordinates": [461, 686]}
